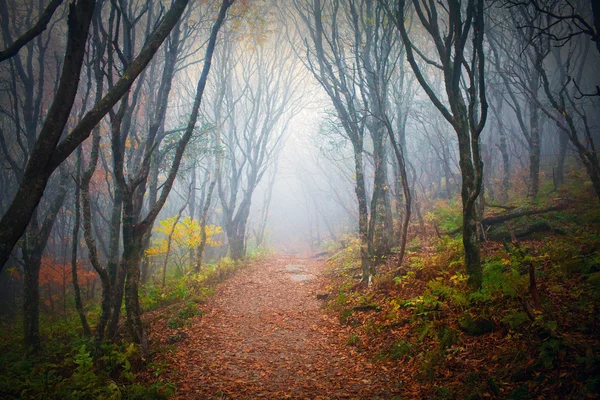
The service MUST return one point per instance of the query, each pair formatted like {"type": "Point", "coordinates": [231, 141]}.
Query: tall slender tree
{"type": "Point", "coordinates": [449, 25]}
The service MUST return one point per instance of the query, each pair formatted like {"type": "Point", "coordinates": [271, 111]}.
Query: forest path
{"type": "Point", "coordinates": [265, 335]}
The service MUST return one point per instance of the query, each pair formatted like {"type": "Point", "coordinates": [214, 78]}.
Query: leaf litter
{"type": "Point", "coordinates": [264, 335]}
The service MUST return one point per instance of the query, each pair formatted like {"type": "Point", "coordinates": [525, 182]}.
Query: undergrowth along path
{"type": "Point", "coordinates": [265, 335]}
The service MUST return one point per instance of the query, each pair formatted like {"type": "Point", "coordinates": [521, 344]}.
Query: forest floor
{"type": "Point", "coordinates": [266, 335]}
{"type": "Point", "coordinates": [418, 332]}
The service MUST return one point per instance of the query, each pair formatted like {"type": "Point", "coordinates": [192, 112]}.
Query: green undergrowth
{"type": "Point", "coordinates": [492, 343]}
{"type": "Point", "coordinates": [194, 287]}
{"type": "Point", "coordinates": [346, 261]}
{"type": "Point", "coordinates": [259, 253]}
{"type": "Point", "coordinates": [70, 367]}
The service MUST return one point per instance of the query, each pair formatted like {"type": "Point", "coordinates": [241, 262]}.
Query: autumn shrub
{"type": "Point", "coordinates": [84, 382]}
{"type": "Point", "coordinates": [447, 336]}
{"type": "Point", "coordinates": [345, 314]}
{"type": "Point", "coordinates": [116, 359]}
{"type": "Point", "coordinates": [155, 296]}
{"type": "Point", "coordinates": [110, 377]}
{"type": "Point", "coordinates": [430, 315]}
{"type": "Point", "coordinates": [189, 310]}
{"type": "Point", "coordinates": [424, 305]}
{"type": "Point", "coordinates": [347, 258]}
{"type": "Point", "coordinates": [175, 323]}
{"type": "Point", "coordinates": [193, 286]}
{"type": "Point", "coordinates": [185, 237]}
{"type": "Point", "coordinates": [414, 245]}
{"type": "Point", "coordinates": [515, 317]}
{"type": "Point", "coordinates": [443, 392]}
{"type": "Point", "coordinates": [405, 279]}
{"type": "Point", "coordinates": [501, 277]}
{"type": "Point", "coordinates": [384, 282]}
{"type": "Point", "coordinates": [330, 246]}
{"type": "Point", "coordinates": [453, 290]}
{"type": "Point", "coordinates": [446, 216]}
{"type": "Point", "coordinates": [430, 362]}
{"type": "Point", "coordinates": [157, 390]}
{"type": "Point", "coordinates": [399, 350]}
{"type": "Point", "coordinates": [449, 253]}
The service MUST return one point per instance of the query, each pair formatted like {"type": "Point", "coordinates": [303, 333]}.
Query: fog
{"type": "Point", "coordinates": [283, 126]}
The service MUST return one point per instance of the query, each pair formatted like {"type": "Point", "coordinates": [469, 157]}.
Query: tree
{"type": "Point", "coordinates": [23, 117]}
{"type": "Point", "coordinates": [181, 237]}
{"type": "Point", "coordinates": [49, 151]}
{"type": "Point", "coordinates": [351, 55]}
{"type": "Point", "coordinates": [519, 75]}
{"type": "Point", "coordinates": [40, 26]}
{"type": "Point", "coordinates": [34, 245]}
{"type": "Point", "coordinates": [258, 99]}
{"type": "Point", "coordinates": [464, 108]}
{"type": "Point", "coordinates": [136, 228]}
{"type": "Point", "coordinates": [567, 104]}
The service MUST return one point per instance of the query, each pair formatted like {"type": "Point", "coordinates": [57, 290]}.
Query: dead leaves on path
{"type": "Point", "coordinates": [264, 335]}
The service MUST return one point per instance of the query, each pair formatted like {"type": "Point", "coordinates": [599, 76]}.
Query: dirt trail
{"type": "Point", "coordinates": [265, 335]}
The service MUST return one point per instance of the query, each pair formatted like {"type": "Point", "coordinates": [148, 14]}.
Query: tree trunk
{"type": "Point", "coordinates": [590, 161]}
{"type": "Point", "coordinates": [92, 252]}
{"type": "Point", "coordinates": [236, 247]}
{"type": "Point", "coordinates": [448, 174]}
{"type": "Point", "coordinates": [169, 241]}
{"type": "Point", "coordinates": [505, 164]}
{"type": "Point", "coordinates": [469, 211]}
{"type": "Point", "coordinates": [76, 225]}
{"type": "Point", "coordinates": [115, 266]}
{"type": "Point", "coordinates": [132, 254]}
{"type": "Point", "coordinates": [403, 177]}
{"type": "Point", "coordinates": [487, 188]}
{"type": "Point", "coordinates": [48, 154]}
{"type": "Point", "coordinates": [135, 230]}
{"type": "Point", "coordinates": [380, 219]}
{"type": "Point", "coordinates": [192, 211]}
{"type": "Point", "coordinates": [152, 196]}
{"type": "Point", "coordinates": [462, 114]}
{"type": "Point", "coordinates": [33, 250]}
{"type": "Point", "coordinates": [203, 238]}
{"type": "Point", "coordinates": [236, 234]}
{"type": "Point", "coordinates": [37, 172]}
{"type": "Point", "coordinates": [363, 217]}
{"type": "Point", "coordinates": [31, 303]}
{"type": "Point", "coordinates": [534, 149]}
{"type": "Point", "coordinates": [563, 141]}
{"type": "Point", "coordinates": [596, 13]}
{"type": "Point", "coordinates": [471, 168]}
{"type": "Point", "coordinates": [117, 291]}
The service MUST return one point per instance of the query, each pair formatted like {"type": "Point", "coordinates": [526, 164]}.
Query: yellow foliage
{"type": "Point", "coordinates": [186, 235]}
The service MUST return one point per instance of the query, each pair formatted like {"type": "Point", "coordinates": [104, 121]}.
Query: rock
{"type": "Point", "coordinates": [299, 273]}
{"type": "Point", "coordinates": [301, 277]}
{"type": "Point", "coordinates": [296, 268]}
